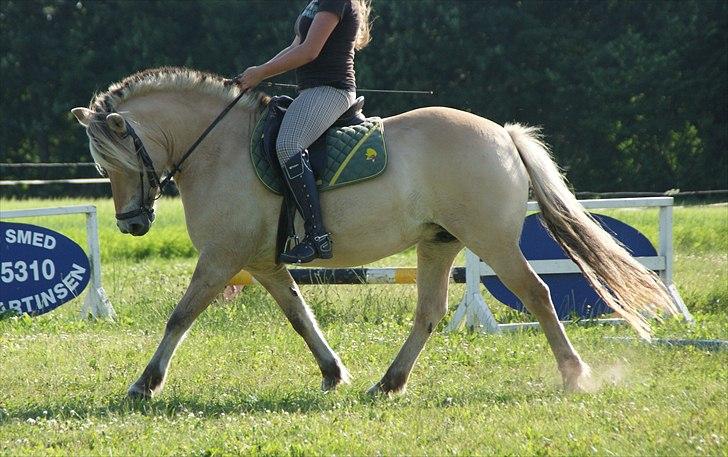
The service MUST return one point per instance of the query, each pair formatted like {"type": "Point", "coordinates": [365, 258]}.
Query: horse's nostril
{"type": "Point", "coordinates": [136, 227]}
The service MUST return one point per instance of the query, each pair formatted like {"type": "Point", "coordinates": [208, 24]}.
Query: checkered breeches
{"type": "Point", "coordinates": [309, 116]}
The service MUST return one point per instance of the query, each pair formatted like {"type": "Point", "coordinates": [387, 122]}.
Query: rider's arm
{"type": "Point", "coordinates": [295, 55]}
{"type": "Point", "coordinates": [296, 41]}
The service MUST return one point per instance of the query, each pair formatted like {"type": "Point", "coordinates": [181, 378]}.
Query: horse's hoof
{"type": "Point", "coordinates": [578, 378]}
{"type": "Point", "coordinates": [332, 381]}
{"type": "Point", "coordinates": [382, 388]}
{"type": "Point", "coordinates": [375, 390]}
{"type": "Point", "coordinates": [137, 393]}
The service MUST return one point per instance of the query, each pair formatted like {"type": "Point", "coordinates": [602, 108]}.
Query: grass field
{"type": "Point", "coordinates": [244, 383]}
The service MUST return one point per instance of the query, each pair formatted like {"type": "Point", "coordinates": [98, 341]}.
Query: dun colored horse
{"type": "Point", "coordinates": [453, 179]}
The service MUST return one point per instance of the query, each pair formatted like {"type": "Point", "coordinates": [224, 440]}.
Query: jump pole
{"type": "Point", "coordinates": [340, 276]}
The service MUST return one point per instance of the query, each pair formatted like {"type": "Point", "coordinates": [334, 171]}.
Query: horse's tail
{"type": "Point", "coordinates": [626, 286]}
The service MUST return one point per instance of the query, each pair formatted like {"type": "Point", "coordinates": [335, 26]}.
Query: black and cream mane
{"type": "Point", "coordinates": [105, 147]}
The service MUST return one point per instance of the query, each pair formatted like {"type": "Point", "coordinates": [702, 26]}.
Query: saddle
{"type": "Point", "coordinates": [350, 151]}
{"type": "Point", "coordinates": [272, 120]}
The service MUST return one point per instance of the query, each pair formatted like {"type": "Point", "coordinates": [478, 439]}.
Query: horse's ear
{"type": "Point", "coordinates": [83, 115]}
{"type": "Point", "coordinates": [116, 123]}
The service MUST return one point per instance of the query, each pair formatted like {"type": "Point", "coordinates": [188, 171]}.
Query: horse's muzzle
{"type": "Point", "coordinates": [136, 226]}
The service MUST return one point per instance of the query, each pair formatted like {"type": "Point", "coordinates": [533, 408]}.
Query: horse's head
{"type": "Point", "coordinates": [120, 154]}
{"type": "Point", "coordinates": [131, 146]}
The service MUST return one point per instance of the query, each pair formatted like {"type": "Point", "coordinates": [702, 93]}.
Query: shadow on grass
{"type": "Point", "coordinates": [303, 401]}
{"type": "Point", "coordinates": [167, 405]}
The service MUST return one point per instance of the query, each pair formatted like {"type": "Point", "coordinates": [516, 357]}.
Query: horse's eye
{"type": "Point", "coordinates": [101, 171]}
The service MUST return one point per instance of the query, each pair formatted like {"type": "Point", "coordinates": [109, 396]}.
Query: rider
{"type": "Point", "coordinates": [327, 34]}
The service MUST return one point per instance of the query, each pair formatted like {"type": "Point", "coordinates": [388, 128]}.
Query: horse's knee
{"type": "Point", "coordinates": [178, 322]}
{"type": "Point", "coordinates": [430, 315]}
{"type": "Point", "coordinates": [437, 312]}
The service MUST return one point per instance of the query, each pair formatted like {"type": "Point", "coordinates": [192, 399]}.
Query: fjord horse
{"type": "Point", "coordinates": [454, 179]}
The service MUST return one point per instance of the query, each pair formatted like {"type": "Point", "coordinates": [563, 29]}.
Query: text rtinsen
{"type": "Point", "coordinates": [37, 302]}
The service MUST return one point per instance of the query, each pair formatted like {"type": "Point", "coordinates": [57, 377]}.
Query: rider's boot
{"type": "Point", "coordinates": [317, 242]}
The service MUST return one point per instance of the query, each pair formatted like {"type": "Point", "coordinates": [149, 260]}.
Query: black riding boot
{"type": "Point", "coordinates": [317, 243]}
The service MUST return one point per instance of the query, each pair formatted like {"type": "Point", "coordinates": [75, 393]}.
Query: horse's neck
{"type": "Point", "coordinates": [178, 120]}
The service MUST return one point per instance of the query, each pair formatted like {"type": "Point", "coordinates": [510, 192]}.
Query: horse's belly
{"type": "Point", "coordinates": [368, 221]}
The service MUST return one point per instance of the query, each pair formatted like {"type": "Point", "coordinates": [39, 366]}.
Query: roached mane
{"type": "Point", "coordinates": [105, 146]}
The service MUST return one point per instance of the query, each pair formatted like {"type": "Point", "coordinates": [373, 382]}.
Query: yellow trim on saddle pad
{"type": "Point", "coordinates": [378, 126]}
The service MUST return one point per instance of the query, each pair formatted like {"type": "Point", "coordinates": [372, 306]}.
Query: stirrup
{"type": "Point", "coordinates": [310, 248]}
{"type": "Point", "coordinates": [323, 245]}
{"type": "Point", "coordinates": [291, 242]}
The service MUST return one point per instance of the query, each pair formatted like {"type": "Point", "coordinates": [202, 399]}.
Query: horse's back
{"type": "Point", "coordinates": [459, 155]}
{"type": "Point", "coordinates": [442, 125]}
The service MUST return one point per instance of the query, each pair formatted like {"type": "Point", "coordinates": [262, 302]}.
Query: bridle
{"type": "Point", "coordinates": [156, 183]}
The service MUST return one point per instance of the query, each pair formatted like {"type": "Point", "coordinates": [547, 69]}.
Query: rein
{"type": "Point", "coordinates": [154, 180]}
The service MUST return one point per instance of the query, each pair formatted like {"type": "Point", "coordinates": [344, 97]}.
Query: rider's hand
{"type": "Point", "coordinates": [248, 79]}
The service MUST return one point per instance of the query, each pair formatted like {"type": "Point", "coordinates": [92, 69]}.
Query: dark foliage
{"type": "Point", "coordinates": [632, 95]}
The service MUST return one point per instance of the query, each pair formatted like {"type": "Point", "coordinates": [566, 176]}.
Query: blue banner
{"type": "Point", "coordinates": [571, 293]}
{"type": "Point", "coordinates": [40, 269]}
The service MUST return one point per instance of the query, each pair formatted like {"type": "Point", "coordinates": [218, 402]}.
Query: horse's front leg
{"type": "Point", "coordinates": [207, 281]}
{"type": "Point", "coordinates": [284, 290]}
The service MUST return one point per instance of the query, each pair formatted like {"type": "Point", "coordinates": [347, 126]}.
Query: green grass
{"type": "Point", "coordinates": [244, 383]}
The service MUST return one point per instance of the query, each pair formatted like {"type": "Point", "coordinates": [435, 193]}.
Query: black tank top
{"type": "Point", "coordinates": [335, 64]}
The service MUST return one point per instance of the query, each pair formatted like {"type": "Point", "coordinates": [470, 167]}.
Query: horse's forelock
{"type": "Point", "coordinates": [107, 150]}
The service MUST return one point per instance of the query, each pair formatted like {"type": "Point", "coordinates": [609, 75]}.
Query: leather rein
{"type": "Point", "coordinates": [156, 183]}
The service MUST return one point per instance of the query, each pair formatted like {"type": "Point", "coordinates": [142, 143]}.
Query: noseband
{"type": "Point", "coordinates": [148, 166]}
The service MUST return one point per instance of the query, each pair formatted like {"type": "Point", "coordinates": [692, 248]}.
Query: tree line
{"type": "Point", "coordinates": [632, 95]}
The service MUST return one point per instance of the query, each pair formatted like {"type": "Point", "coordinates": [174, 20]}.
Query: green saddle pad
{"type": "Point", "coordinates": [353, 154]}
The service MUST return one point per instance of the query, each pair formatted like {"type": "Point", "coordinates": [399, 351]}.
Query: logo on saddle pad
{"type": "Point", "coordinates": [371, 154]}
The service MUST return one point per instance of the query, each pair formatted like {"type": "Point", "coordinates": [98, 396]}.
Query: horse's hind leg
{"type": "Point", "coordinates": [207, 281]}
{"type": "Point", "coordinates": [512, 268]}
{"type": "Point", "coordinates": [434, 259]}
{"type": "Point", "coordinates": [284, 290]}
